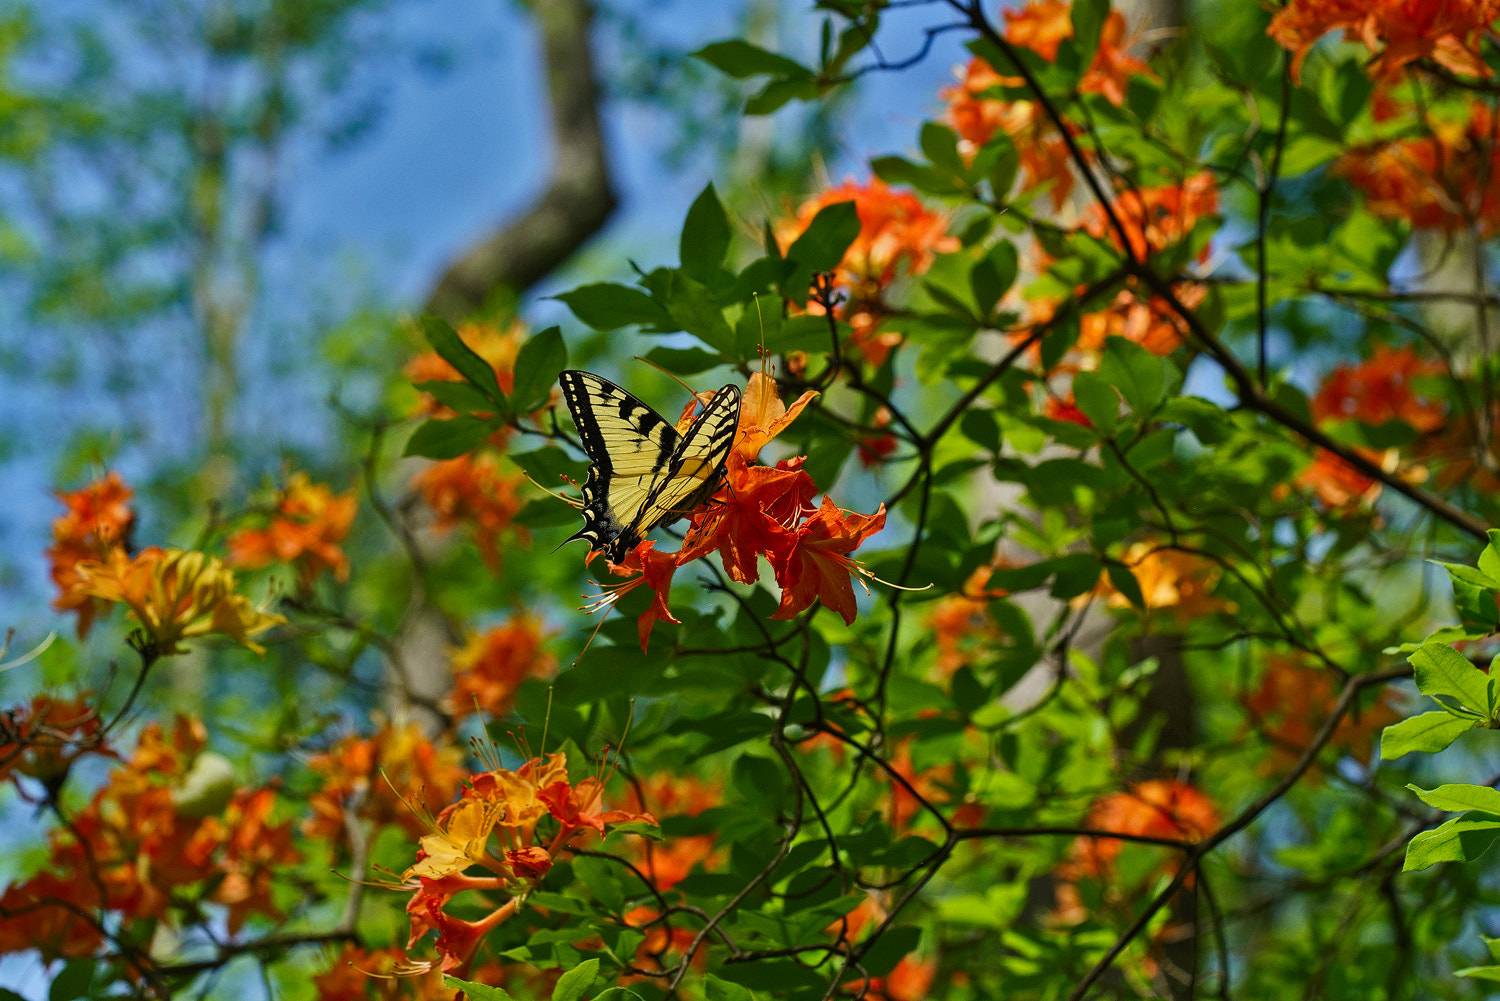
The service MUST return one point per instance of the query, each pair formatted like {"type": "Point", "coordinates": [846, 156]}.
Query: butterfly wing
{"type": "Point", "coordinates": [697, 463]}
{"type": "Point", "coordinates": [643, 473]}
{"type": "Point", "coordinates": [630, 447]}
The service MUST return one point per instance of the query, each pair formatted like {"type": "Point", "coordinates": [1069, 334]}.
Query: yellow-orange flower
{"type": "Point", "coordinates": [1291, 703]}
{"type": "Point", "coordinates": [309, 523]}
{"type": "Point", "coordinates": [1153, 323]}
{"type": "Point", "coordinates": [1157, 808]}
{"type": "Point", "coordinates": [1169, 579]}
{"type": "Point", "coordinates": [98, 520]}
{"type": "Point", "coordinates": [489, 668]}
{"type": "Point", "coordinates": [1156, 218]}
{"type": "Point", "coordinates": [177, 595]}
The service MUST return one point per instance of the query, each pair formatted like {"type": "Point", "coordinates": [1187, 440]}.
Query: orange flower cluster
{"type": "Point", "coordinates": [508, 808]}
{"type": "Point", "coordinates": [175, 595]}
{"type": "Point", "coordinates": [1158, 217]}
{"type": "Point", "coordinates": [961, 624]}
{"type": "Point", "coordinates": [1152, 323]}
{"type": "Point", "coordinates": [488, 341]}
{"type": "Point", "coordinates": [360, 974]}
{"type": "Point", "coordinates": [308, 523]}
{"type": "Point", "coordinates": [97, 521]}
{"type": "Point", "coordinates": [1169, 579]}
{"type": "Point", "coordinates": [1438, 181]}
{"type": "Point", "coordinates": [379, 778]}
{"type": "Point", "coordinates": [673, 795]}
{"type": "Point", "coordinates": [1397, 32]}
{"type": "Point", "coordinates": [1042, 25]}
{"type": "Point", "coordinates": [895, 228]}
{"type": "Point", "coordinates": [933, 784]}
{"type": "Point", "coordinates": [1157, 808]}
{"type": "Point", "coordinates": [164, 821]}
{"type": "Point", "coordinates": [762, 511]}
{"type": "Point", "coordinates": [473, 489]}
{"type": "Point", "coordinates": [912, 977]}
{"type": "Point", "coordinates": [1289, 706]}
{"type": "Point", "coordinates": [1380, 389]}
{"type": "Point", "coordinates": [42, 740]}
{"type": "Point", "coordinates": [1045, 164]}
{"type": "Point", "coordinates": [489, 668]}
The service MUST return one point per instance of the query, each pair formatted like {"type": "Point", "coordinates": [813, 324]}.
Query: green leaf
{"type": "Point", "coordinates": [575, 983]}
{"type": "Point", "coordinates": [460, 396]}
{"type": "Point", "coordinates": [1457, 798]}
{"type": "Point", "coordinates": [545, 512]}
{"type": "Point", "coordinates": [881, 958]}
{"type": "Point", "coordinates": [1462, 839]}
{"type": "Point", "coordinates": [940, 145]}
{"type": "Point", "coordinates": [999, 161]}
{"type": "Point", "coordinates": [993, 275]}
{"type": "Point", "coordinates": [1491, 973]}
{"type": "Point", "coordinates": [684, 361]}
{"type": "Point", "coordinates": [1125, 582]}
{"type": "Point", "coordinates": [1489, 559]}
{"type": "Point", "coordinates": [981, 427]}
{"type": "Point", "coordinates": [618, 994]}
{"type": "Point", "coordinates": [895, 170]}
{"type": "Point", "coordinates": [740, 59]}
{"type": "Point", "coordinates": [1098, 401]}
{"type": "Point", "coordinates": [723, 990]}
{"type": "Point", "coordinates": [72, 981]}
{"type": "Point", "coordinates": [538, 363]}
{"type": "Point", "coordinates": [1429, 732]}
{"type": "Point", "coordinates": [821, 246]}
{"type": "Point", "coordinates": [452, 349]}
{"type": "Point", "coordinates": [1135, 372]}
{"type": "Point", "coordinates": [705, 236]}
{"type": "Point", "coordinates": [1442, 670]}
{"type": "Point", "coordinates": [438, 439]}
{"type": "Point", "coordinates": [606, 306]}
{"type": "Point", "coordinates": [1088, 22]}
{"type": "Point", "coordinates": [476, 992]}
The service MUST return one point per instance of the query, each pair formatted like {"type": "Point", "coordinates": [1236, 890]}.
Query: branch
{"type": "Point", "coordinates": [578, 199]}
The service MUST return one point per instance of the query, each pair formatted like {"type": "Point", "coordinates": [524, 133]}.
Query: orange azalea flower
{"type": "Point", "coordinates": [894, 227]}
{"type": "Point", "coordinates": [98, 519]}
{"type": "Point", "coordinates": [176, 595]}
{"type": "Point", "coordinates": [1169, 579]}
{"type": "Point", "coordinates": [42, 740]}
{"type": "Point", "coordinates": [309, 523]}
{"type": "Point", "coordinates": [961, 624]}
{"type": "Point", "coordinates": [489, 668]}
{"type": "Point", "coordinates": [669, 795]}
{"type": "Point", "coordinates": [1438, 181]}
{"type": "Point", "coordinates": [934, 784]}
{"type": "Point", "coordinates": [134, 850]}
{"type": "Point", "coordinates": [1380, 389]}
{"type": "Point", "coordinates": [911, 980]}
{"type": "Point", "coordinates": [46, 913]}
{"type": "Point", "coordinates": [380, 775]}
{"type": "Point", "coordinates": [472, 489]}
{"type": "Point", "coordinates": [1158, 808]}
{"type": "Point", "coordinates": [359, 974]}
{"type": "Point", "coordinates": [1156, 218]}
{"type": "Point", "coordinates": [1041, 27]}
{"type": "Point", "coordinates": [1152, 324]}
{"type": "Point", "coordinates": [507, 806]}
{"type": "Point", "coordinates": [816, 565]}
{"type": "Point", "coordinates": [1398, 32]}
{"type": "Point", "coordinates": [761, 511]}
{"type": "Point", "coordinates": [496, 346]}
{"type": "Point", "coordinates": [1291, 703]}
{"type": "Point", "coordinates": [1045, 161]}
{"type": "Point", "coordinates": [1336, 483]}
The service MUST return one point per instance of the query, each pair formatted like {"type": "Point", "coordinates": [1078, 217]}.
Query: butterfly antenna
{"type": "Point", "coordinates": [669, 375]}
{"type": "Point", "coordinates": [575, 503]}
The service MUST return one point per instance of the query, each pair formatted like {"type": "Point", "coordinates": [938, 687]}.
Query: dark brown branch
{"type": "Point", "coordinates": [578, 198]}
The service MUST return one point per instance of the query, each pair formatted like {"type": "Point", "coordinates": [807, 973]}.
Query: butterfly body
{"type": "Point", "coordinates": [643, 473]}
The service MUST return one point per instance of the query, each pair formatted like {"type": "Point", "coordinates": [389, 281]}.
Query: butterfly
{"type": "Point", "coordinates": [643, 473]}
